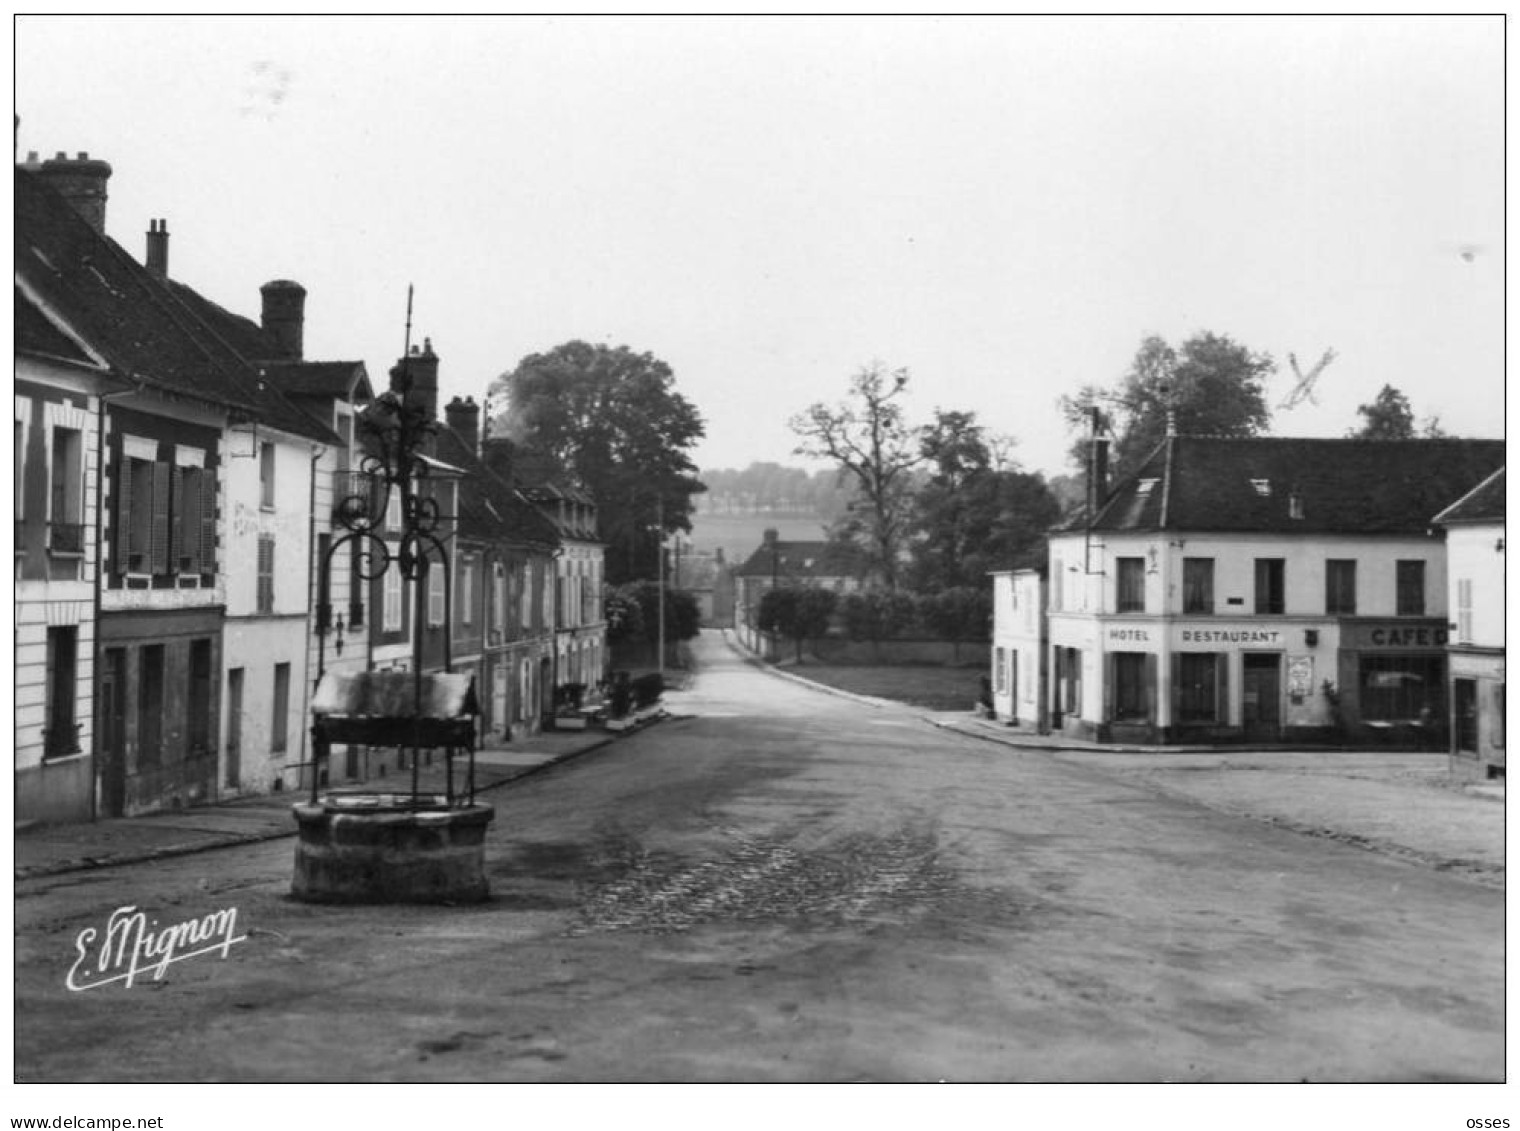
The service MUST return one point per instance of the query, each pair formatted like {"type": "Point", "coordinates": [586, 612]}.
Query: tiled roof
{"type": "Point", "coordinates": [145, 330]}
{"type": "Point", "coordinates": [489, 509]}
{"type": "Point", "coordinates": [35, 333]}
{"type": "Point", "coordinates": [1295, 486]}
{"type": "Point", "coordinates": [320, 378]}
{"type": "Point", "coordinates": [802, 559]}
{"type": "Point", "coordinates": [1484, 503]}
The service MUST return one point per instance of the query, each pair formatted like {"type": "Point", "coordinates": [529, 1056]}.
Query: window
{"type": "Point", "coordinates": [466, 589]}
{"type": "Point", "coordinates": [525, 598]}
{"type": "Point", "coordinates": [193, 528]}
{"type": "Point", "coordinates": [266, 475]}
{"type": "Point", "coordinates": [66, 498]}
{"type": "Point", "coordinates": [1000, 670]}
{"type": "Point", "coordinates": [1402, 687]}
{"type": "Point", "coordinates": [62, 734]}
{"type": "Point", "coordinates": [279, 723]}
{"type": "Point", "coordinates": [1198, 585]}
{"type": "Point", "coordinates": [1131, 586]}
{"type": "Point", "coordinates": [264, 595]}
{"type": "Point", "coordinates": [198, 702]}
{"type": "Point", "coordinates": [499, 613]}
{"type": "Point", "coordinates": [1269, 585]}
{"type": "Point", "coordinates": [143, 516]}
{"type": "Point", "coordinates": [357, 589]}
{"type": "Point", "coordinates": [1198, 686]}
{"type": "Point", "coordinates": [23, 422]}
{"type": "Point", "coordinates": [1410, 595]}
{"type": "Point", "coordinates": [1464, 611]}
{"type": "Point", "coordinates": [391, 614]}
{"type": "Point", "coordinates": [435, 593]}
{"type": "Point", "coordinates": [1057, 584]}
{"type": "Point", "coordinates": [1340, 586]}
{"type": "Point", "coordinates": [150, 704]}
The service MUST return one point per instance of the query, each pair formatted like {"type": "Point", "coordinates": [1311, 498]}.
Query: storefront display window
{"type": "Point", "coordinates": [1402, 687]}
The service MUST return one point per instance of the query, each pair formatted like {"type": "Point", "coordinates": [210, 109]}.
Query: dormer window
{"type": "Point", "coordinates": [1263, 487]}
{"type": "Point", "coordinates": [1145, 487]}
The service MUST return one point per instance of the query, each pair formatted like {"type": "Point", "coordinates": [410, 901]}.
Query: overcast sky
{"type": "Point", "coordinates": [1004, 206]}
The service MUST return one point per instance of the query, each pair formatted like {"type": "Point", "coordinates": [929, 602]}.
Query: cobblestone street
{"type": "Point", "coordinates": [781, 885]}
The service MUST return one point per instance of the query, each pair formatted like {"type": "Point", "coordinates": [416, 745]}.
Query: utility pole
{"type": "Point", "coordinates": [660, 532]}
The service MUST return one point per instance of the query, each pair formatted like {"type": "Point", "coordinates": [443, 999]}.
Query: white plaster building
{"type": "Point", "coordinates": [1475, 557]}
{"type": "Point", "coordinates": [1260, 590]}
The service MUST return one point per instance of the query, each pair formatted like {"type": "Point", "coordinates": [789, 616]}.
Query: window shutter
{"type": "Point", "coordinates": [159, 548]}
{"type": "Point", "coordinates": [206, 516]}
{"type": "Point", "coordinates": [123, 514]}
{"type": "Point", "coordinates": [1109, 670]}
{"type": "Point", "coordinates": [177, 524]}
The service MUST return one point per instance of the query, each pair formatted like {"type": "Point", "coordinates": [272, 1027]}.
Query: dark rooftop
{"type": "Point", "coordinates": [1295, 486]}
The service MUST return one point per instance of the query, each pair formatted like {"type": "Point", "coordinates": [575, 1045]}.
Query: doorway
{"type": "Point", "coordinates": [113, 733]}
{"type": "Point", "coordinates": [234, 766]}
{"type": "Point", "coordinates": [1261, 696]}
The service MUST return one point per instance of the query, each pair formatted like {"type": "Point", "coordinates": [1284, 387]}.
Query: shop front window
{"type": "Point", "coordinates": [1402, 687]}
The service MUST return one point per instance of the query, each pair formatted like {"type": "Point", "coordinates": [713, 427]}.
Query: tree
{"type": "Point", "coordinates": [798, 612]}
{"type": "Point", "coordinates": [976, 511]}
{"type": "Point", "coordinates": [877, 615]}
{"type": "Point", "coordinates": [959, 614]}
{"type": "Point", "coordinates": [1390, 417]}
{"type": "Point", "coordinates": [876, 449]}
{"type": "Point", "coordinates": [683, 615]}
{"type": "Point", "coordinates": [610, 421]}
{"type": "Point", "coordinates": [1212, 385]}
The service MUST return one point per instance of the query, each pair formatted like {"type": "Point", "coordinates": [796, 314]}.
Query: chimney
{"type": "Point", "coordinates": [82, 182]}
{"type": "Point", "coordinates": [463, 416]}
{"type": "Point", "coordinates": [1097, 468]}
{"type": "Point", "coordinates": [284, 316]}
{"type": "Point", "coordinates": [421, 367]}
{"type": "Point", "coordinates": [157, 258]}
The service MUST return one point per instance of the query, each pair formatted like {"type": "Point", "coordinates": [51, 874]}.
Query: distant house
{"type": "Point", "coordinates": [1260, 590]}
{"type": "Point", "coordinates": [1475, 545]}
{"type": "Point", "coordinates": [780, 563]}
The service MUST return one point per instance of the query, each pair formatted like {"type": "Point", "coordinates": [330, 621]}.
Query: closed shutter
{"type": "Point", "coordinates": [159, 549]}
{"type": "Point", "coordinates": [1110, 675]}
{"type": "Point", "coordinates": [177, 524]}
{"type": "Point", "coordinates": [123, 514]}
{"type": "Point", "coordinates": [206, 517]}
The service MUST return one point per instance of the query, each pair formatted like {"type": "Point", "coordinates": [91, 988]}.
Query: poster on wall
{"type": "Point", "coordinates": [1300, 677]}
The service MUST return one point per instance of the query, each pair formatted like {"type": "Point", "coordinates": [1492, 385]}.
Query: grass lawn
{"type": "Point", "coordinates": [923, 685]}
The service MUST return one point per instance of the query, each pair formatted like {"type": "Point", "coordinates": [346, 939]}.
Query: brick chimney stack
{"type": "Point", "coordinates": [463, 416]}
{"type": "Point", "coordinates": [422, 366]}
{"type": "Point", "coordinates": [157, 258]}
{"type": "Point", "coordinates": [82, 182]}
{"type": "Point", "coordinates": [284, 315]}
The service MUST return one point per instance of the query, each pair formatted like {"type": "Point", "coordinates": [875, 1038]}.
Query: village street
{"type": "Point", "coordinates": [783, 885]}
